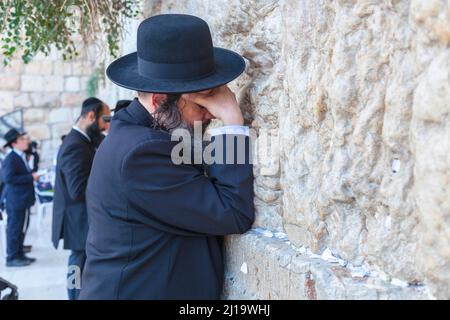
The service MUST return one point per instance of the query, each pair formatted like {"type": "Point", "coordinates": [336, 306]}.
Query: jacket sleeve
{"type": "Point", "coordinates": [181, 199]}
{"type": "Point", "coordinates": [75, 166]}
{"type": "Point", "coordinates": [11, 177]}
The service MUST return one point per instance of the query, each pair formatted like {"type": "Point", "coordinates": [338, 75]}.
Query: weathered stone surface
{"type": "Point", "coordinates": [15, 67]}
{"type": "Point", "coordinates": [81, 68]}
{"type": "Point", "coordinates": [430, 139]}
{"type": "Point", "coordinates": [84, 83]}
{"type": "Point", "coordinates": [62, 68]}
{"type": "Point", "coordinates": [22, 100]}
{"type": "Point", "coordinates": [57, 130]}
{"type": "Point", "coordinates": [45, 99]}
{"type": "Point", "coordinates": [60, 115]}
{"type": "Point", "coordinates": [51, 83]}
{"type": "Point", "coordinates": [357, 93]}
{"type": "Point", "coordinates": [35, 116]}
{"type": "Point", "coordinates": [54, 84]}
{"type": "Point", "coordinates": [76, 112]}
{"type": "Point", "coordinates": [72, 99]}
{"type": "Point", "coordinates": [72, 84]}
{"type": "Point", "coordinates": [33, 83]}
{"type": "Point", "coordinates": [9, 82]}
{"type": "Point", "coordinates": [39, 67]}
{"type": "Point", "coordinates": [38, 131]}
{"type": "Point", "coordinates": [282, 273]}
{"type": "Point", "coordinates": [6, 102]}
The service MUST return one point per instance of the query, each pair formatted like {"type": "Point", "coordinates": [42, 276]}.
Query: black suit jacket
{"type": "Point", "coordinates": [19, 186]}
{"type": "Point", "coordinates": [155, 228]}
{"type": "Point", "coordinates": [69, 204]}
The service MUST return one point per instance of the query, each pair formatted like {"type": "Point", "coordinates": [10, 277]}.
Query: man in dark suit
{"type": "Point", "coordinates": [18, 195]}
{"type": "Point", "coordinates": [72, 171]}
{"type": "Point", "coordinates": [156, 226]}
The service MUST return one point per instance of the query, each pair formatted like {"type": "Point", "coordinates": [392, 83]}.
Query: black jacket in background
{"type": "Point", "coordinates": [36, 160]}
{"type": "Point", "coordinates": [155, 228]}
{"type": "Point", "coordinates": [69, 204]}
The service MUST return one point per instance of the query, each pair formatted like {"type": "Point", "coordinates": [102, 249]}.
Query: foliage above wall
{"type": "Point", "coordinates": [28, 27]}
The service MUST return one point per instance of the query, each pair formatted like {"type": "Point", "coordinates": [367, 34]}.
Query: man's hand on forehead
{"type": "Point", "coordinates": [220, 102]}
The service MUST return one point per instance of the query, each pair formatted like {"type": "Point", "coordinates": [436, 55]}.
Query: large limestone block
{"type": "Point", "coordinates": [9, 82]}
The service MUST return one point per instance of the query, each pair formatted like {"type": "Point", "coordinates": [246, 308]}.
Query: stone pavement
{"type": "Point", "coordinates": [44, 279]}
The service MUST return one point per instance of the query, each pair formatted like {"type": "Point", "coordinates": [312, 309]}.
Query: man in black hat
{"type": "Point", "coordinates": [156, 226]}
{"type": "Point", "coordinates": [72, 171]}
{"type": "Point", "coordinates": [18, 195]}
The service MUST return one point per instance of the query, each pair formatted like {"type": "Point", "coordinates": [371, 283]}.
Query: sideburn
{"type": "Point", "coordinates": [167, 116]}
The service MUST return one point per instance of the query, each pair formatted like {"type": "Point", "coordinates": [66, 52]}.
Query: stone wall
{"type": "Point", "coordinates": [355, 97]}
{"type": "Point", "coordinates": [49, 91]}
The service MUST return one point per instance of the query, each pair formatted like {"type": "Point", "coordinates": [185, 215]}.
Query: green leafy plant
{"type": "Point", "coordinates": [28, 27]}
{"type": "Point", "coordinates": [93, 82]}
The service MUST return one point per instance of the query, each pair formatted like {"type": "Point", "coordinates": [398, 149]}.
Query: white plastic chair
{"type": "Point", "coordinates": [42, 207]}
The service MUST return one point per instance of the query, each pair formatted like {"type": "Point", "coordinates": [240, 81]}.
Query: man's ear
{"type": "Point", "coordinates": [91, 116]}
{"type": "Point", "coordinates": [158, 99]}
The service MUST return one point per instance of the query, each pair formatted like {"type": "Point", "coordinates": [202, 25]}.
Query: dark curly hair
{"type": "Point", "coordinates": [167, 116]}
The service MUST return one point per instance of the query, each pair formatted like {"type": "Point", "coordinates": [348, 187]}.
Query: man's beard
{"type": "Point", "coordinates": [197, 141]}
{"type": "Point", "coordinates": [95, 134]}
{"type": "Point", "coordinates": [189, 127]}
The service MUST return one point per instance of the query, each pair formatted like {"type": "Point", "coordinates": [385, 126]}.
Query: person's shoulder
{"type": "Point", "coordinates": [72, 142]}
{"type": "Point", "coordinates": [7, 160]}
{"type": "Point", "coordinates": [133, 134]}
{"type": "Point", "coordinates": [70, 137]}
{"type": "Point", "coordinates": [74, 138]}
{"type": "Point", "coordinates": [11, 156]}
{"type": "Point", "coordinates": [150, 141]}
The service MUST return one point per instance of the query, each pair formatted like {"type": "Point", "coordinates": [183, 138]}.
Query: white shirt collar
{"type": "Point", "coordinates": [22, 155]}
{"type": "Point", "coordinates": [18, 152]}
{"type": "Point", "coordinates": [82, 132]}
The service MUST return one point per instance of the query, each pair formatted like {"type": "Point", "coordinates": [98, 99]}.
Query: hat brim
{"type": "Point", "coordinates": [8, 143]}
{"type": "Point", "coordinates": [124, 72]}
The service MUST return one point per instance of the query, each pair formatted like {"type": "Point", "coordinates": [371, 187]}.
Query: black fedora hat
{"type": "Point", "coordinates": [121, 104]}
{"type": "Point", "coordinates": [11, 136]}
{"type": "Point", "coordinates": [175, 54]}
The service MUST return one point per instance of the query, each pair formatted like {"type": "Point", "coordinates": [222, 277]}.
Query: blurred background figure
{"type": "Point", "coordinates": [96, 131]}
{"type": "Point", "coordinates": [121, 104]}
{"type": "Point", "coordinates": [18, 196]}
{"type": "Point", "coordinates": [73, 166]}
{"type": "Point", "coordinates": [55, 155]}
{"type": "Point", "coordinates": [33, 156]}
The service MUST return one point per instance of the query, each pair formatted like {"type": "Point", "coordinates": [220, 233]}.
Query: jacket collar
{"type": "Point", "coordinates": [138, 114]}
{"type": "Point", "coordinates": [84, 134]}
{"type": "Point", "coordinates": [21, 155]}
{"type": "Point", "coordinates": [82, 137]}
{"type": "Point", "coordinates": [18, 152]}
